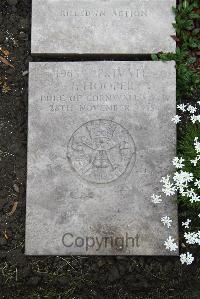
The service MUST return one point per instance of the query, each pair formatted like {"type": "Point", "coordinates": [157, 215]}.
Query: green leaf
{"type": "Point", "coordinates": [194, 16]}
{"type": "Point", "coordinates": [154, 57]}
{"type": "Point", "coordinates": [185, 4]}
{"type": "Point", "coordinates": [191, 60]}
{"type": "Point", "coordinates": [196, 31]}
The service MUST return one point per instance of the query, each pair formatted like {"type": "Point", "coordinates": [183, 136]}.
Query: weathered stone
{"type": "Point", "coordinates": [100, 138]}
{"type": "Point", "coordinates": [102, 27]}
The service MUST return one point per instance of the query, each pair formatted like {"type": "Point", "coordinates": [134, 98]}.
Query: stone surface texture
{"type": "Point", "coordinates": [102, 27]}
{"type": "Point", "coordinates": [100, 138]}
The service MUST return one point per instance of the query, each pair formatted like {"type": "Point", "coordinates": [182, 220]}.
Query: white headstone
{"type": "Point", "coordinates": [102, 27]}
{"type": "Point", "coordinates": [100, 138]}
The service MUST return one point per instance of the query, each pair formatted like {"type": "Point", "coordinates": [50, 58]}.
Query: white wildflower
{"type": "Point", "coordinates": [168, 188]}
{"type": "Point", "coordinates": [156, 198]}
{"type": "Point", "coordinates": [182, 179]}
{"type": "Point", "coordinates": [197, 184]}
{"type": "Point", "coordinates": [197, 145]}
{"type": "Point", "coordinates": [191, 109]}
{"type": "Point", "coordinates": [195, 161]}
{"type": "Point", "coordinates": [178, 162]}
{"type": "Point", "coordinates": [186, 223]}
{"type": "Point", "coordinates": [182, 107]}
{"type": "Point", "coordinates": [192, 195]}
{"type": "Point", "coordinates": [166, 221]}
{"type": "Point", "coordinates": [170, 244]}
{"type": "Point", "coordinates": [186, 258]}
{"type": "Point", "coordinates": [182, 191]}
{"type": "Point", "coordinates": [192, 237]}
{"type": "Point", "coordinates": [194, 198]}
{"type": "Point", "coordinates": [165, 180]}
{"type": "Point", "coordinates": [176, 119]}
{"type": "Point", "coordinates": [190, 192]}
{"type": "Point", "coordinates": [194, 118]}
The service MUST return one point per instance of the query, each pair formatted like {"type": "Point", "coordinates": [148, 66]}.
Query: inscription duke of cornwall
{"type": "Point", "coordinates": [102, 27]}
{"type": "Point", "coordinates": [100, 139]}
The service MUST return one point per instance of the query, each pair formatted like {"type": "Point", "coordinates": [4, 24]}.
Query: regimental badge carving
{"type": "Point", "coordinates": [101, 151]}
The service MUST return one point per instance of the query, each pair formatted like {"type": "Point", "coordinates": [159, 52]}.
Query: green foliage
{"type": "Point", "coordinates": [188, 44]}
{"type": "Point", "coordinates": [187, 151]}
{"type": "Point", "coordinates": [188, 85]}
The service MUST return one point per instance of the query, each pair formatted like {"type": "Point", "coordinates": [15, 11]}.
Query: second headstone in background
{"type": "Point", "coordinates": [102, 27]}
